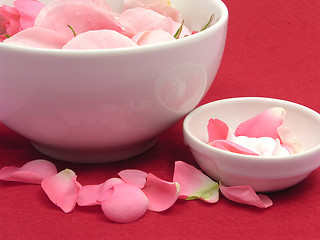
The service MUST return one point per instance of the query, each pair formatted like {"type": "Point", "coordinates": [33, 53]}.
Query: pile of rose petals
{"type": "Point", "coordinates": [89, 24]}
{"type": "Point", "coordinates": [265, 134]}
{"type": "Point", "coordinates": [127, 198]}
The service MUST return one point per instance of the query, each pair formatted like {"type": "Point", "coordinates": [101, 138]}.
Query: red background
{"type": "Point", "coordinates": [272, 50]}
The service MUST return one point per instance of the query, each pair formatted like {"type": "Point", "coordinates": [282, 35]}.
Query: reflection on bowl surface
{"type": "Point", "coordinates": [263, 174]}
{"type": "Point", "coordinates": [111, 104]}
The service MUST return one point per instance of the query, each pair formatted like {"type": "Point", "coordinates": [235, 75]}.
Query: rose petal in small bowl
{"type": "Point", "coordinates": [262, 173]}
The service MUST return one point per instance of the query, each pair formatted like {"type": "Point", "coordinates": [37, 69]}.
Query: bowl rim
{"type": "Point", "coordinates": [191, 140]}
{"type": "Point", "coordinates": [219, 24]}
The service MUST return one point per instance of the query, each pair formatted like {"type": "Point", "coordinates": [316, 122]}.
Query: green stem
{"type": "Point", "coordinates": [177, 34]}
{"type": "Point", "coordinates": [74, 33]}
{"type": "Point", "coordinates": [207, 25]}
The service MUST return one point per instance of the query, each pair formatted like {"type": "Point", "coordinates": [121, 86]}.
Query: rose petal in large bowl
{"type": "Point", "coordinates": [81, 15]}
{"type": "Point", "coordinates": [99, 39]}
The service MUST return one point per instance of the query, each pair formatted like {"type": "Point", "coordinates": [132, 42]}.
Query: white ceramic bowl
{"type": "Point", "coordinates": [108, 105]}
{"type": "Point", "coordinates": [263, 174]}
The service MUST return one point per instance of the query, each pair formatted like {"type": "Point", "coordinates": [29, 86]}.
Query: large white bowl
{"type": "Point", "coordinates": [108, 105]}
{"type": "Point", "coordinates": [263, 174]}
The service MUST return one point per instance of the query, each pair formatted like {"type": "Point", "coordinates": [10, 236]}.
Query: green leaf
{"type": "Point", "coordinates": [7, 35]}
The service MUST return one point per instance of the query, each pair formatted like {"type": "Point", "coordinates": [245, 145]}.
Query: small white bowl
{"type": "Point", "coordinates": [110, 104]}
{"type": "Point", "coordinates": [263, 174]}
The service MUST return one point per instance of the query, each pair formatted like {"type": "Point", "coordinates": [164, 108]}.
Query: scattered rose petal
{"type": "Point", "coordinates": [289, 138]}
{"type": "Point", "coordinates": [81, 15]}
{"type": "Point", "coordinates": [32, 172]}
{"type": "Point", "coordinates": [134, 177]}
{"type": "Point", "coordinates": [90, 195]}
{"type": "Point", "coordinates": [217, 130]}
{"type": "Point", "coordinates": [38, 37]}
{"type": "Point", "coordinates": [127, 203]}
{"type": "Point", "coordinates": [62, 189]}
{"type": "Point", "coordinates": [264, 124]}
{"type": "Point", "coordinates": [99, 39]}
{"type": "Point", "coordinates": [161, 194]}
{"type": "Point", "coordinates": [232, 147]}
{"type": "Point", "coordinates": [194, 184]}
{"type": "Point", "coordinates": [245, 195]}
{"type": "Point", "coordinates": [152, 37]}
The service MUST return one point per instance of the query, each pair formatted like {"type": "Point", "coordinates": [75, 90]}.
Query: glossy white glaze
{"type": "Point", "coordinates": [109, 101]}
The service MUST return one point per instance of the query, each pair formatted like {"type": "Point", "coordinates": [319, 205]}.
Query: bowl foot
{"type": "Point", "coordinates": [94, 155]}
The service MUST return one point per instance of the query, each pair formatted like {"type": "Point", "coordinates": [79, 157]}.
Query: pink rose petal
{"type": "Point", "coordinates": [162, 7]}
{"type": "Point", "coordinates": [99, 39]}
{"type": "Point", "coordinates": [126, 204]}
{"type": "Point", "coordinates": [62, 189]}
{"type": "Point", "coordinates": [82, 16]}
{"type": "Point", "coordinates": [217, 130]}
{"type": "Point", "coordinates": [165, 9]}
{"type": "Point", "coordinates": [137, 20]}
{"type": "Point", "coordinates": [38, 37]}
{"type": "Point", "coordinates": [134, 177]}
{"type": "Point", "coordinates": [230, 146]}
{"type": "Point", "coordinates": [12, 22]}
{"type": "Point", "coordinates": [264, 124]}
{"type": "Point", "coordinates": [290, 139]}
{"type": "Point", "coordinates": [161, 194]}
{"type": "Point", "coordinates": [246, 195]}
{"type": "Point", "coordinates": [32, 172]}
{"type": "Point", "coordinates": [28, 9]}
{"type": "Point", "coordinates": [2, 23]}
{"type": "Point", "coordinates": [152, 37]}
{"type": "Point", "coordinates": [90, 195]}
{"type": "Point", "coordinates": [194, 184]}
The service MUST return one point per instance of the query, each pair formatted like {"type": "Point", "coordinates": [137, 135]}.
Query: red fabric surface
{"type": "Point", "coordinates": [272, 50]}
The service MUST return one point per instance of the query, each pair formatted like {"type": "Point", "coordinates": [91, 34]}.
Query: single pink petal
{"type": "Point", "coordinates": [217, 130]}
{"type": "Point", "coordinates": [2, 38]}
{"type": "Point", "coordinates": [161, 194]}
{"type": "Point", "coordinates": [138, 19]}
{"type": "Point", "coordinates": [28, 9]}
{"type": "Point", "coordinates": [2, 24]}
{"type": "Point", "coordinates": [82, 16]}
{"type": "Point", "coordinates": [152, 37]}
{"type": "Point", "coordinates": [194, 184]}
{"type": "Point", "coordinates": [245, 195]}
{"type": "Point", "coordinates": [99, 39]}
{"type": "Point", "coordinates": [165, 9]}
{"type": "Point", "coordinates": [264, 124]}
{"type": "Point", "coordinates": [6, 172]}
{"type": "Point", "coordinates": [290, 139]}
{"type": "Point", "coordinates": [32, 172]}
{"type": "Point", "coordinates": [162, 7]}
{"type": "Point", "coordinates": [230, 146]}
{"type": "Point", "coordinates": [126, 204]}
{"type": "Point", "coordinates": [134, 177]}
{"type": "Point", "coordinates": [38, 37]}
{"type": "Point", "coordinates": [62, 189]}
{"type": "Point", "coordinates": [12, 22]}
{"type": "Point", "coordinates": [90, 195]}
